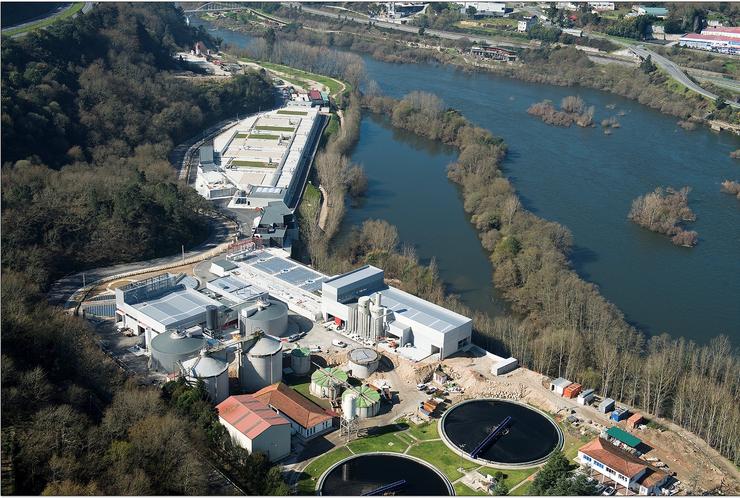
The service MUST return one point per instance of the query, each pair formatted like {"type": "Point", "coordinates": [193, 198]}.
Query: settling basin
{"type": "Point", "coordinates": [361, 474]}
{"type": "Point", "coordinates": [526, 440]}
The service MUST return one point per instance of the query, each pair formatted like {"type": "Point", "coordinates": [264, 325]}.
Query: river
{"type": "Point", "coordinates": [581, 178]}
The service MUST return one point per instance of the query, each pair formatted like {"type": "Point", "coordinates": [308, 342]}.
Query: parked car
{"type": "Point", "coordinates": [314, 348]}
{"type": "Point", "coordinates": [608, 491]}
{"type": "Point", "coordinates": [421, 387]}
{"type": "Point", "coordinates": [338, 343]}
{"type": "Point", "coordinates": [294, 337]}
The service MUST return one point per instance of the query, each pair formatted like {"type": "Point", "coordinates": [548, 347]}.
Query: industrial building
{"type": "Point", "coordinates": [622, 468]}
{"type": "Point", "coordinates": [722, 40]}
{"type": "Point", "coordinates": [261, 159]}
{"type": "Point", "coordinates": [484, 9]}
{"type": "Point", "coordinates": [307, 419]}
{"type": "Point", "coordinates": [255, 427]}
{"type": "Point", "coordinates": [362, 302]}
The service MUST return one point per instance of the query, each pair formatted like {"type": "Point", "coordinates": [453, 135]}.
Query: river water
{"type": "Point", "coordinates": [581, 178]}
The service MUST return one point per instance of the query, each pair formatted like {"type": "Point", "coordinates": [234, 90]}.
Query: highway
{"type": "Point", "coordinates": [675, 72]}
{"type": "Point", "coordinates": [415, 30]}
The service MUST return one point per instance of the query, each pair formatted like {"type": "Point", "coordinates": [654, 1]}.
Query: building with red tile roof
{"type": "Point", "coordinates": [306, 417]}
{"type": "Point", "coordinates": [621, 467]}
{"type": "Point", "coordinates": [255, 426]}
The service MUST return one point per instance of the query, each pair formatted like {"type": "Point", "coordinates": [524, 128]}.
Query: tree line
{"type": "Point", "coordinates": [90, 112]}
{"type": "Point", "coordinates": [567, 328]}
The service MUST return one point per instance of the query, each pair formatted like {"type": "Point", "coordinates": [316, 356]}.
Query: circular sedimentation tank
{"type": "Point", "coordinates": [528, 440]}
{"type": "Point", "coordinates": [300, 361]}
{"type": "Point", "coordinates": [363, 362]}
{"type": "Point", "coordinates": [360, 474]}
{"type": "Point", "coordinates": [170, 348]}
{"type": "Point", "coordinates": [368, 400]}
{"type": "Point", "coordinates": [328, 382]}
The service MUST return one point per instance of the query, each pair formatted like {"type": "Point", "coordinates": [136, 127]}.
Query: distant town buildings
{"type": "Point", "coordinates": [714, 39]}
{"type": "Point", "coordinates": [485, 9]}
{"type": "Point", "coordinates": [659, 12]}
{"type": "Point", "coordinates": [601, 6]}
{"type": "Point", "coordinates": [494, 53]}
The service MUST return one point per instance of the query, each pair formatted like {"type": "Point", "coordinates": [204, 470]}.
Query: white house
{"type": "Point", "coordinates": [255, 427]}
{"type": "Point", "coordinates": [620, 467]}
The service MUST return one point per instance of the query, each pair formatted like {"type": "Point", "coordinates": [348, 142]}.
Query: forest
{"type": "Point", "coordinates": [91, 109]}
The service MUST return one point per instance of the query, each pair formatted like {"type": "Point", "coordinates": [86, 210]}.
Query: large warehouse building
{"type": "Point", "coordinates": [262, 159]}
{"type": "Point", "coordinates": [362, 301]}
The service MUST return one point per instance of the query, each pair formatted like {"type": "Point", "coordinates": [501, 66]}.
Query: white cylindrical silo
{"type": "Point", "coordinates": [349, 406]}
{"type": "Point", "coordinates": [261, 365]}
{"type": "Point", "coordinates": [213, 372]}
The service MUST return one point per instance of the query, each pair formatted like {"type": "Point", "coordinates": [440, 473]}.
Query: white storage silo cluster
{"type": "Point", "coordinates": [368, 317]}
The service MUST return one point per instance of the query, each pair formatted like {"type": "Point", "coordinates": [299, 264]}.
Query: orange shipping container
{"type": "Point", "coordinates": [572, 391]}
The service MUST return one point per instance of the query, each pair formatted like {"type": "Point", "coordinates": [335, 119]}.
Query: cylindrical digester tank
{"type": "Point", "coordinates": [170, 348]}
{"type": "Point", "coordinates": [328, 383]}
{"type": "Point", "coordinates": [262, 364]}
{"type": "Point", "coordinates": [213, 372]}
{"type": "Point", "coordinates": [300, 361]}
{"type": "Point", "coordinates": [362, 362]}
{"type": "Point", "coordinates": [368, 400]}
{"type": "Point", "coordinates": [211, 317]}
{"type": "Point", "coordinates": [269, 316]}
{"type": "Point", "coordinates": [349, 406]}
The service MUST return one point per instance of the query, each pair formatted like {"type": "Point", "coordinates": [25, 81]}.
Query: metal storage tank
{"type": "Point", "coordinates": [300, 361]}
{"type": "Point", "coordinates": [268, 315]}
{"type": "Point", "coordinates": [368, 400]}
{"type": "Point", "coordinates": [349, 406]}
{"type": "Point", "coordinates": [211, 317]}
{"type": "Point", "coordinates": [213, 372]}
{"type": "Point", "coordinates": [170, 348]}
{"type": "Point", "coordinates": [328, 382]}
{"type": "Point", "coordinates": [363, 362]}
{"type": "Point", "coordinates": [261, 365]}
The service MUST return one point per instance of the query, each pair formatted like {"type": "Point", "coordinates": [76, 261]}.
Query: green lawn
{"type": "Point", "coordinates": [382, 442]}
{"type": "Point", "coordinates": [310, 202]}
{"type": "Point", "coordinates": [251, 164]}
{"type": "Point", "coordinates": [522, 490]}
{"type": "Point", "coordinates": [274, 128]}
{"type": "Point", "coordinates": [292, 113]}
{"type": "Point", "coordinates": [334, 86]}
{"type": "Point", "coordinates": [310, 476]}
{"type": "Point", "coordinates": [424, 432]}
{"type": "Point", "coordinates": [303, 388]}
{"type": "Point", "coordinates": [264, 136]}
{"type": "Point", "coordinates": [65, 14]}
{"type": "Point", "coordinates": [513, 477]}
{"type": "Point", "coordinates": [463, 490]}
{"type": "Point", "coordinates": [439, 455]}
{"type": "Point", "coordinates": [403, 436]}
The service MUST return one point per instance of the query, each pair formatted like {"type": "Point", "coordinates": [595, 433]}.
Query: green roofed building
{"type": "Point", "coordinates": [328, 382]}
{"type": "Point", "coordinates": [366, 403]}
{"type": "Point", "coordinates": [623, 437]}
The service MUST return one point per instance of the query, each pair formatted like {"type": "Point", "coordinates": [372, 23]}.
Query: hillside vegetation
{"type": "Point", "coordinates": [89, 113]}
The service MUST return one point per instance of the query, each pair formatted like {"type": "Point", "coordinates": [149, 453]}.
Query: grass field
{"type": "Point", "coordinates": [42, 23]}
{"type": "Point", "coordinates": [334, 86]}
{"type": "Point", "coordinates": [439, 455]}
{"type": "Point", "coordinates": [311, 474]}
{"type": "Point", "coordinates": [310, 202]}
{"type": "Point", "coordinates": [264, 136]}
{"type": "Point", "coordinates": [522, 490]}
{"type": "Point", "coordinates": [251, 164]}
{"type": "Point", "coordinates": [513, 477]}
{"type": "Point", "coordinates": [424, 432]}
{"type": "Point", "coordinates": [463, 490]}
{"type": "Point", "coordinates": [292, 113]}
{"type": "Point", "coordinates": [381, 442]}
{"type": "Point", "coordinates": [274, 128]}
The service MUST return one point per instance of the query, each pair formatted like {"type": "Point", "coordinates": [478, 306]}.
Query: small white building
{"type": "Point", "coordinates": [255, 427]}
{"type": "Point", "coordinates": [485, 9]}
{"type": "Point", "coordinates": [586, 397]}
{"type": "Point", "coordinates": [558, 385]}
{"type": "Point", "coordinates": [505, 366]}
{"type": "Point", "coordinates": [524, 25]}
{"type": "Point", "coordinates": [601, 6]}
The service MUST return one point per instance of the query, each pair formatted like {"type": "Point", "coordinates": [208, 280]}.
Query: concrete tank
{"type": "Point", "coordinates": [269, 316]}
{"type": "Point", "coordinates": [261, 365]}
{"type": "Point", "coordinates": [213, 372]}
{"type": "Point", "coordinates": [362, 362]}
{"type": "Point", "coordinates": [211, 317]}
{"type": "Point", "coordinates": [170, 348]}
{"type": "Point", "coordinates": [328, 383]}
{"type": "Point", "coordinates": [300, 361]}
{"type": "Point", "coordinates": [368, 400]}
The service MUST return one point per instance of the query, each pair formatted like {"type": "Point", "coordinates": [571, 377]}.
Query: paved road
{"type": "Point", "coordinates": [64, 288]}
{"type": "Point", "coordinates": [415, 30]}
{"type": "Point", "coordinates": [675, 72]}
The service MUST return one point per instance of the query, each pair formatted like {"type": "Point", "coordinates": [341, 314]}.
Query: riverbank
{"type": "Point", "coordinates": [562, 66]}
